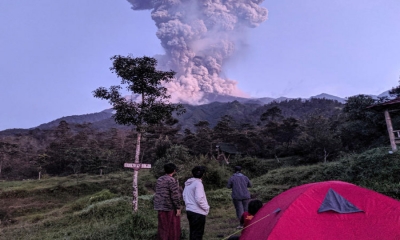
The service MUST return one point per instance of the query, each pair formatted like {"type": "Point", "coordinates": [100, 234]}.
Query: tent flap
{"type": "Point", "coordinates": [335, 202]}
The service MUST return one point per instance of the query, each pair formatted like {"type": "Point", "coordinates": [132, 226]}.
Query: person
{"type": "Point", "coordinates": [167, 202]}
{"type": "Point", "coordinates": [240, 194]}
{"type": "Point", "coordinates": [254, 206]}
{"type": "Point", "coordinates": [197, 207]}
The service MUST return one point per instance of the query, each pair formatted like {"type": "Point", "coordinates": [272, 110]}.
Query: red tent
{"type": "Point", "coordinates": [326, 210]}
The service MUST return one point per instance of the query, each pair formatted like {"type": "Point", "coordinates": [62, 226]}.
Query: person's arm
{"type": "Point", "coordinates": [229, 185]}
{"type": "Point", "coordinates": [178, 212]}
{"type": "Point", "coordinates": [249, 184]}
{"type": "Point", "coordinates": [200, 197]}
{"type": "Point", "coordinates": [175, 195]}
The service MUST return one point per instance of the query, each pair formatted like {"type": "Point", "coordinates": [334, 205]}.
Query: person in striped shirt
{"type": "Point", "coordinates": [167, 201]}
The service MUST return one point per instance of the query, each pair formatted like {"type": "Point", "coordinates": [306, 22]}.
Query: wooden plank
{"type": "Point", "coordinates": [137, 165]}
{"type": "Point", "coordinates": [390, 130]}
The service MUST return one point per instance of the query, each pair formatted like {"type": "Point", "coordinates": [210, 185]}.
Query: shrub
{"type": "Point", "coordinates": [254, 167]}
{"type": "Point", "coordinates": [138, 226]}
{"type": "Point", "coordinates": [216, 176]}
{"type": "Point", "coordinates": [101, 196]}
{"type": "Point", "coordinates": [375, 169]}
{"type": "Point", "coordinates": [109, 208]}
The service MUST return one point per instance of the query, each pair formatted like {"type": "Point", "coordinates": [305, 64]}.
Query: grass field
{"type": "Point", "coordinates": [99, 207]}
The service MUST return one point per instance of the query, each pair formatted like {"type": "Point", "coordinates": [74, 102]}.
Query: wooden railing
{"type": "Point", "coordinates": [397, 136]}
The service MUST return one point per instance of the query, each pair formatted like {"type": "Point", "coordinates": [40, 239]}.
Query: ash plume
{"type": "Point", "coordinates": [199, 36]}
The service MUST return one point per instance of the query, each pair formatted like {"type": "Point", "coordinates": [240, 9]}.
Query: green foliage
{"type": "Point", "coordinates": [178, 155]}
{"type": "Point", "coordinates": [215, 176]}
{"type": "Point", "coordinates": [319, 141]}
{"type": "Point", "coordinates": [93, 215]}
{"type": "Point", "coordinates": [254, 167]}
{"type": "Point", "coordinates": [224, 129]}
{"type": "Point", "coordinates": [109, 208]}
{"type": "Point", "coordinates": [395, 91]}
{"type": "Point", "coordinates": [146, 184]}
{"type": "Point", "coordinates": [362, 127]}
{"type": "Point", "coordinates": [139, 75]}
{"type": "Point", "coordinates": [138, 226]}
{"type": "Point", "coordinates": [86, 201]}
{"type": "Point", "coordinates": [271, 114]}
{"type": "Point", "coordinates": [376, 169]}
{"type": "Point", "coordinates": [311, 129]}
{"type": "Point", "coordinates": [219, 197]}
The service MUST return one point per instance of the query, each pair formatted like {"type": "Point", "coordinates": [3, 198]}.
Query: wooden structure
{"type": "Point", "coordinates": [387, 107]}
{"type": "Point", "coordinates": [136, 167]}
{"type": "Point", "coordinates": [224, 151]}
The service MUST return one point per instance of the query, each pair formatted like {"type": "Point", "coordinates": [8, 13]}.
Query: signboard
{"type": "Point", "coordinates": [137, 165]}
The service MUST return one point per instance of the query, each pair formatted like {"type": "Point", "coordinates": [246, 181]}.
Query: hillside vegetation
{"type": "Point", "coordinates": [307, 131]}
{"type": "Point", "coordinates": [99, 207]}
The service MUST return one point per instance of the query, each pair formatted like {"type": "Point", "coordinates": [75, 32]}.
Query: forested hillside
{"type": "Point", "coordinates": [309, 131]}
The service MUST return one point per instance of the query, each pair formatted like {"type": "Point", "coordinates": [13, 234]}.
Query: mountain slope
{"type": "Point", "coordinates": [241, 109]}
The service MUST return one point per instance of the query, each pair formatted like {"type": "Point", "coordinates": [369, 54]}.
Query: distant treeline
{"type": "Point", "coordinates": [311, 131]}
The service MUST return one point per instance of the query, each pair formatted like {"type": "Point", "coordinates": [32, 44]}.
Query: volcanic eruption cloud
{"type": "Point", "coordinates": [199, 36]}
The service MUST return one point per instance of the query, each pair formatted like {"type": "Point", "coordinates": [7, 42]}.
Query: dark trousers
{"type": "Point", "coordinates": [241, 206]}
{"type": "Point", "coordinates": [196, 225]}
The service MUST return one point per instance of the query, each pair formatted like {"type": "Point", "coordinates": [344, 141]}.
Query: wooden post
{"type": "Point", "coordinates": [390, 130]}
{"type": "Point", "coordinates": [135, 191]}
{"type": "Point", "coordinates": [136, 167]}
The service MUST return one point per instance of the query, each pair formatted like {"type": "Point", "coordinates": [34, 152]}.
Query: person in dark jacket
{"type": "Point", "coordinates": [167, 202]}
{"type": "Point", "coordinates": [240, 194]}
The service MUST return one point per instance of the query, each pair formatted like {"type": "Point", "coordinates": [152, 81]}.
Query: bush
{"type": "Point", "coordinates": [101, 196]}
{"type": "Point", "coordinates": [216, 176]}
{"type": "Point", "coordinates": [375, 169]}
{"type": "Point", "coordinates": [106, 209]}
{"type": "Point", "coordinates": [179, 155]}
{"type": "Point", "coordinates": [254, 167]}
{"type": "Point", "coordinates": [138, 226]}
{"type": "Point", "coordinates": [91, 199]}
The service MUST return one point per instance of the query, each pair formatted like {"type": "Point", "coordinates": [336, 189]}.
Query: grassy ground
{"type": "Point", "coordinates": [95, 207]}
{"type": "Point", "coordinates": [99, 207]}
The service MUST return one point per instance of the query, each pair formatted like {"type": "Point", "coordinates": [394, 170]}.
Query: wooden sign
{"type": "Point", "coordinates": [137, 166]}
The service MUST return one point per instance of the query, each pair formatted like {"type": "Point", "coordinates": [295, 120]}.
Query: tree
{"type": "Point", "coordinates": [319, 139]}
{"type": "Point", "coordinates": [362, 127]}
{"type": "Point", "coordinates": [41, 159]}
{"type": "Point", "coordinates": [7, 150]}
{"type": "Point", "coordinates": [224, 129]}
{"type": "Point", "coordinates": [203, 143]}
{"type": "Point", "coordinates": [271, 114]}
{"type": "Point", "coordinates": [395, 91]}
{"type": "Point", "coordinates": [140, 77]}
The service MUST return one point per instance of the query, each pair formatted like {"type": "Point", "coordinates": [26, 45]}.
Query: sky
{"type": "Point", "coordinates": [53, 54]}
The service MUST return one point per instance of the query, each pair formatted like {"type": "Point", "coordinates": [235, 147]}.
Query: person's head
{"type": "Point", "coordinates": [254, 206]}
{"type": "Point", "coordinates": [238, 169]}
{"type": "Point", "coordinates": [198, 171]}
{"type": "Point", "coordinates": [169, 168]}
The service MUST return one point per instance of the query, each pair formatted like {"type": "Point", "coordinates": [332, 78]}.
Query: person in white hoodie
{"type": "Point", "coordinates": [197, 207]}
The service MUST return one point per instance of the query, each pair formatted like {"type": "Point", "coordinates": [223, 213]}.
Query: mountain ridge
{"type": "Point", "coordinates": [102, 119]}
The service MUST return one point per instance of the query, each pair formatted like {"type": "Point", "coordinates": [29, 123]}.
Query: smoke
{"type": "Point", "coordinates": [199, 36]}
